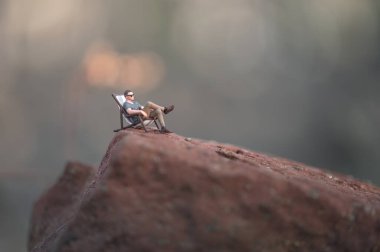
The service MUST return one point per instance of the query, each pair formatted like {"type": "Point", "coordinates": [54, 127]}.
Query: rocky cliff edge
{"type": "Point", "coordinates": [155, 192]}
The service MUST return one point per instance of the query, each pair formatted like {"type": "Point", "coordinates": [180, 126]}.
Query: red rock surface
{"type": "Point", "coordinates": [155, 192]}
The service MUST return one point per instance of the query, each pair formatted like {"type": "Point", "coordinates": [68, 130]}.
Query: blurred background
{"type": "Point", "coordinates": [297, 79]}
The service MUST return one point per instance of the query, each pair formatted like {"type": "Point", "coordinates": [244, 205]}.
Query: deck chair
{"type": "Point", "coordinates": [124, 117]}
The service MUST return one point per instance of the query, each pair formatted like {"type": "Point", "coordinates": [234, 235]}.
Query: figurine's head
{"type": "Point", "coordinates": [129, 95]}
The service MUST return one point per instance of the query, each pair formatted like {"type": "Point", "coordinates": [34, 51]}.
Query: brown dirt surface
{"type": "Point", "coordinates": [156, 192]}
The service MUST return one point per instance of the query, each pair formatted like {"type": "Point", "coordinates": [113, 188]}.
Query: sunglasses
{"type": "Point", "coordinates": [131, 94]}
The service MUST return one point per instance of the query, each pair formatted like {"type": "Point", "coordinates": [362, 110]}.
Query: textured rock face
{"type": "Point", "coordinates": [155, 192]}
{"type": "Point", "coordinates": [57, 206]}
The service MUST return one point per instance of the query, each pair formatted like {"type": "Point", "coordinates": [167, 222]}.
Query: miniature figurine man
{"type": "Point", "coordinates": [149, 110]}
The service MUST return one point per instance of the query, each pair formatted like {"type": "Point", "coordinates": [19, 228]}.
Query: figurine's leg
{"type": "Point", "coordinates": [159, 114]}
{"type": "Point", "coordinates": [153, 106]}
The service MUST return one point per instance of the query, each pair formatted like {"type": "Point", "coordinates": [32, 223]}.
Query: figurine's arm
{"type": "Point", "coordinates": [136, 112]}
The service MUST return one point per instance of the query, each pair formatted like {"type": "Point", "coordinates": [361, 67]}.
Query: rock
{"type": "Point", "coordinates": [59, 203]}
{"type": "Point", "coordinates": [158, 192]}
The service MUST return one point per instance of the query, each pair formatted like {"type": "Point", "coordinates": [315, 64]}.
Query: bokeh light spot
{"type": "Point", "coordinates": [104, 67]}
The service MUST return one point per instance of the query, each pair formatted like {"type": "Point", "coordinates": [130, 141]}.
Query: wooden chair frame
{"type": "Point", "coordinates": [123, 113]}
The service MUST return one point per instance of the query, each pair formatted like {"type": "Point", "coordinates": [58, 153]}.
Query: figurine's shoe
{"type": "Point", "coordinates": [168, 109]}
{"type": "Point", "coordinates": [164, 130]}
